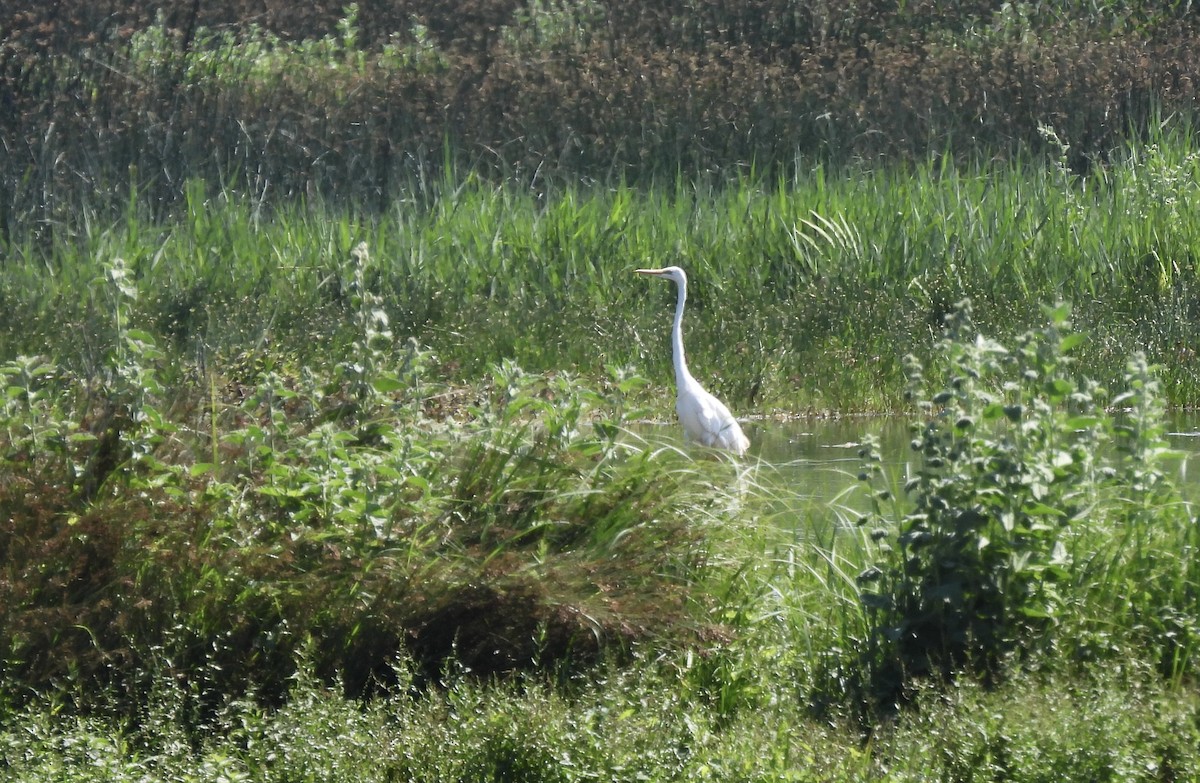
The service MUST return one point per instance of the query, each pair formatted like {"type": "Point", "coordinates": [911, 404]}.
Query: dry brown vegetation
{"type": "Point", "coordinates": [596, 89]}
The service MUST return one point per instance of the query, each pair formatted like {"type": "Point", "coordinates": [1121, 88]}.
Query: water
{"type": "Point", "coordinates": [818, 459]}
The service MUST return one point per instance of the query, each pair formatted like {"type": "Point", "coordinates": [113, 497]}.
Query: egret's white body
{"type": "Point", "coordinates": [705, 419]}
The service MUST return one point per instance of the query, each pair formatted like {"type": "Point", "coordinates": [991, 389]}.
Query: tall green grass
{"type": "Point", "coordinates": [356, 510]}
{"type": "Point", "coordinates": [511, 583]}
{"type": "Point", "coordinates": [260, 454]}
{"type": "Point", "coordinates": [805, 292]}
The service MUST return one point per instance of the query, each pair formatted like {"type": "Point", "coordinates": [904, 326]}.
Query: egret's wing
{"type": "Point", "coordinates": [726, 433]}
{"type": "Point", "coordinates": [732, 438]}
{"type": "Point", "coordinates": [706, 420]}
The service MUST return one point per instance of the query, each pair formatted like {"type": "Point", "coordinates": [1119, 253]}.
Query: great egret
{"type": "Point", "coordinates": [705, 419]}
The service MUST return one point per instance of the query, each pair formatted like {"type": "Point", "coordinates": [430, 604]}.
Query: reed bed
{"type": "Point", "coordinates": [806, 291]}
{"type": "Point", "coordinates": [333, 465]}
{"type": "Point", "coordinates": [353, 100]}
{"type": "Point", "coordinates": [507, 581]}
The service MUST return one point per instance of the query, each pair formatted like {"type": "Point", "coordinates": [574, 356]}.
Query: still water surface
{"type": "Point", "coordinates": [818, 458]}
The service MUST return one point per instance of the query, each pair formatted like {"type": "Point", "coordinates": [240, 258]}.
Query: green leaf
{"type": "Point", "coordinates": [1058, 314]}
{"type": "Point", "coordinates": [388, 472]}
{"type": "Point", "coordinates": [140, 335]}
{"type": "Point", "coordinates": [993, 411]}
{"type": "Point", "coordinates": [1034, 612]}
{"type": "Point", "coordinates": [1059, 387]}
{"type": "Point", "coordinates": [385, 384]}
{"type": "Point", "coordinates": [1037, 509]}
{"type": "Point", "coordinates": [1071, 342]}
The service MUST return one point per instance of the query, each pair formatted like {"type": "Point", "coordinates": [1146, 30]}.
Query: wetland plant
{"type": "Point", "coordinates": [1020, 479]}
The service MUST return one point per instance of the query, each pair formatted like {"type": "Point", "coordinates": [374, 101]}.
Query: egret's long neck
{"type": "Point", "coordinates": [681, 370]}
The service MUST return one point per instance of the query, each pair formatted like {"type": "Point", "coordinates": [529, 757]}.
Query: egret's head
{"type": "Point", "coordinates": [669, 272]}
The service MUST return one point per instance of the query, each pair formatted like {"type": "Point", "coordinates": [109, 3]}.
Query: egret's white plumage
{"type": "Point", "coordinates": [705, 419]}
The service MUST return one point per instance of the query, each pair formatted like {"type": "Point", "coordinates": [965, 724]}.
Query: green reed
{"type": "Point", "coordinates": [805, 292]}
{"type": "Point", "coordinates": [514, 582]}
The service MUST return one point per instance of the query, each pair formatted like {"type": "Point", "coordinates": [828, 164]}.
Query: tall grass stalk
{"type": "Point", "coordinates": [806, 291]}
{"type": "Point", "coordinates": [516, 580]}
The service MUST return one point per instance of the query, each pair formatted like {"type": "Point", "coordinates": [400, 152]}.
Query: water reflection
{"type": "Point", "coordinates": [818, 459]}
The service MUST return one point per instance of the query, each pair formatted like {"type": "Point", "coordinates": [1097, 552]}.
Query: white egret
{"type": "Point", "coordinates": [705, 419]}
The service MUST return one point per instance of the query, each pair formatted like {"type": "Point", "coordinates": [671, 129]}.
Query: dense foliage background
{"type": "Point", "coordinates": [587, 88]}
{"type": "Point", "coordinates": [323, 441]}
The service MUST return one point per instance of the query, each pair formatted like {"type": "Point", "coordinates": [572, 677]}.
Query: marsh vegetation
{"type": "Point", "coordinates": [325, 458]}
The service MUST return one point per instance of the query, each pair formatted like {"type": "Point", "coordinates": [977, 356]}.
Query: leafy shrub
{"type": "Point", "coordinates": [344, 514]}
{"type": "Point", "coordinates": [1011, 475]}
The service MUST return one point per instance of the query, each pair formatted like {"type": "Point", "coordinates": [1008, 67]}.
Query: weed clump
{"type": "Point", "coordinates": [1019, 473]}
{"type": "Point", "coordinates": [346, 517]}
